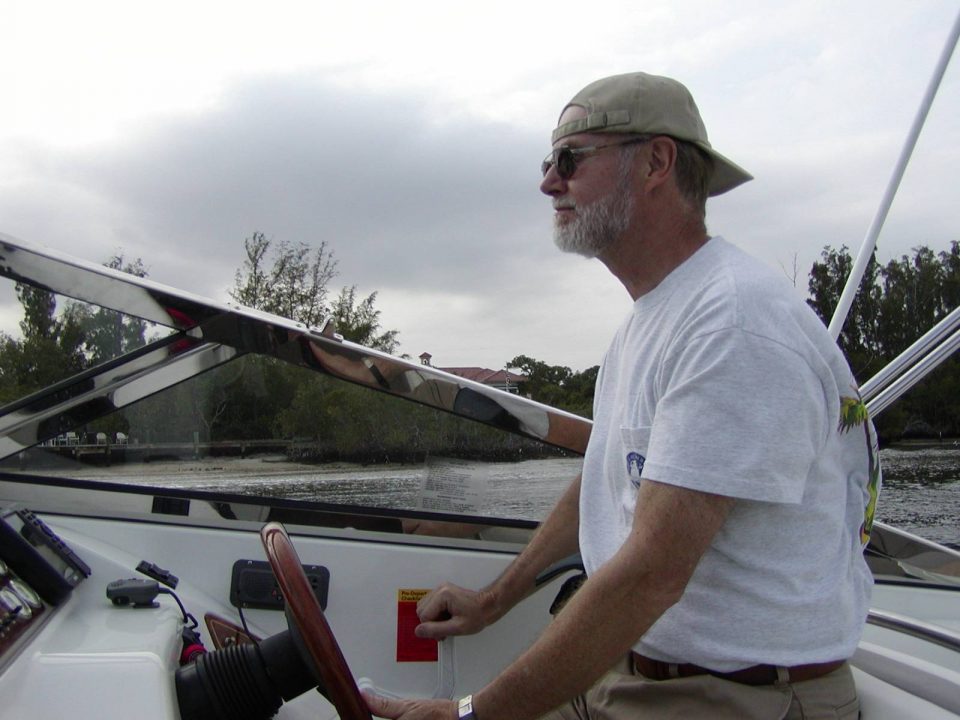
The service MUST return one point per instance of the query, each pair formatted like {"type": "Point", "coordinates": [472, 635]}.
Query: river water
{"type": "Point", "coordinates": [921, 491]}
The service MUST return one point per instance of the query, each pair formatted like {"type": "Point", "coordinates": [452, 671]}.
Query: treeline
{"type": "Point", "coordinates": [895, 305]}
{"type": "Point", "coordinates": [259, 398]}
{"type": "Point", "coordinates": [319, 417]}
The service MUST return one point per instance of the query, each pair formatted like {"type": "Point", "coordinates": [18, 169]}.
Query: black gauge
{"type": "Point", "coordinates": [8, 601]}
{"type": "Point", "coordinates": [14, 605]}
{"type": "Point", "coordinates": [26, 593]}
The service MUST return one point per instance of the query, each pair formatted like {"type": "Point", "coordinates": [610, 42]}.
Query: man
{"type": "Point", "coordinates": [724, 495]}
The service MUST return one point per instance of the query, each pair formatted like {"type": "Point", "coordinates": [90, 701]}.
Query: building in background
{"type": "Point", "coordinates": [500, 379]}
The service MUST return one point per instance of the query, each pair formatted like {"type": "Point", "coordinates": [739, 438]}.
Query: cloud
{"type": "Point", "coordinates": [420, 168]}
{"type": "Point", "coordinates": [410, 203]}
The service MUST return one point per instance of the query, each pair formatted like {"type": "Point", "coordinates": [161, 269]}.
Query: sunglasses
{"type": "Point", "coordinates": [566, 158]}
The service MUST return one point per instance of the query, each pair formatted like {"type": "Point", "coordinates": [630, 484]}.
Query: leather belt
{"type": "Point", "coordinates": [755, 675]}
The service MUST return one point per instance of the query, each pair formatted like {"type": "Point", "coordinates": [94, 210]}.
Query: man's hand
{"type": "Point", "coordinates": [453, 610]}
{"type": "Point", "coordinates": [411, 709]}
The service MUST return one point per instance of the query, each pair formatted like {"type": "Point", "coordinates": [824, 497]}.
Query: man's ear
{"type": "Point", "coordinates": [663, 159]}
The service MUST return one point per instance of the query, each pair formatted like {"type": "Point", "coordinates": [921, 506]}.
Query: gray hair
{"type": "Point", "coordinates": [694, 173]}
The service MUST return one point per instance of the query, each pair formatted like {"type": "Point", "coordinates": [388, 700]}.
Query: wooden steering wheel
{"type": "Point", "coordinates": [305, 610]}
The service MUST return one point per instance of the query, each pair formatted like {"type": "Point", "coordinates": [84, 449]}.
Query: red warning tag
{"type": "Point", "coordinates": [411, 648]}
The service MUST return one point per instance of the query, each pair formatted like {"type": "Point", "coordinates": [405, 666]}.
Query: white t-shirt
{"type": "Point", "coordinates": [722, 380]}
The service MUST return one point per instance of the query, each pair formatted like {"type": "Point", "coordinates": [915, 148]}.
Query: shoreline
{"type": "Point", "coordinates": [271, 464]}
{"type": "Point", "coordinates": [947, 443]}
{"type": "Point", "coordinates": [268, 464]}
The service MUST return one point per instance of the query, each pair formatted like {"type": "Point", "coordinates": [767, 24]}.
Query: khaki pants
{"type": "Point", "coordinates": [625, 694]}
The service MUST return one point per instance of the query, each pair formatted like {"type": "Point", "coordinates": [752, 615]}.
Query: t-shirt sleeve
{"type": "Point", "coordinates": [738, 415]}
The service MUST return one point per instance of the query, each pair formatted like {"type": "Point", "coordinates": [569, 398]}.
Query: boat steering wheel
{"type": "Point", "coordinates": [304, 609]}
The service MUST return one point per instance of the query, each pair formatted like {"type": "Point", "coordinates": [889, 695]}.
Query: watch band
{"type": "Point", "coordinates": [465, 708]}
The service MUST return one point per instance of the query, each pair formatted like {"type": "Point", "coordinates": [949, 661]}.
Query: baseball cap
{"type": "Point", "coordinates": [649, 104]}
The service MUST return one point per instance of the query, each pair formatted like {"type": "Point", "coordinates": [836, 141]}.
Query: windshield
{"type": "Point", "coordinates": [91, 394]}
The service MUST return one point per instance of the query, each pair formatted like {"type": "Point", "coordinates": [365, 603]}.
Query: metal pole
{"type": "Point", "coordinates": [914, 375]}
{"type": "Point", "coordinates": [870, 241]}
{"type": "Point", "coordinates": [931, 339]}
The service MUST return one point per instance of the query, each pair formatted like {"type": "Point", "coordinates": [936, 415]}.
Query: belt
{"type": "Point", "coordinates": [755, 675]}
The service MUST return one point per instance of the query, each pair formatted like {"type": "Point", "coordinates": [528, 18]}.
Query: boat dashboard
{"type": "Point", "coordinates": [82, 637]}
{"type": "Point", "coordinates": [85, 634]}
{"type": "Point", "coordinates": [37, 573]}
{"type": "Point", "coordinates": [64, 651]}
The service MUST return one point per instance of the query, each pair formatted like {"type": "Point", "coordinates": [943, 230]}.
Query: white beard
{"type": "Point", "coordinates": [595, 227]}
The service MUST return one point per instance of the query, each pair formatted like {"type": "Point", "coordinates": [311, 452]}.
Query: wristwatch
{"type": "Point", "coordinates": [465, 708]}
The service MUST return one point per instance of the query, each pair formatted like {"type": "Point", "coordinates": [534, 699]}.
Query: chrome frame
{"type": "Point", "coordinates": [936, 634]}
{"type": "Point", "coordinates": [208, 333]}
{"type": "Point", "coordinates": [913, 364]}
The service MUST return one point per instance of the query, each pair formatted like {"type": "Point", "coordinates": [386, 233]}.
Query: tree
{"type": "Point", "coordinates": [292, 281]}
{"type": "Point", "coordinates": [579, 391]}
{"type": "Point", "coordinates": [9, 378]}
{"type": "Point", "coordinates": [108, 333]}
{"type": "Point", "coordinates": [858, 338]}
{"type": "Point", "coordinates": [896, 304]}
{"type": "Point", "coordinates": [294, 286]}
{"type": "Point", "coordinates": [51, 348]}
{"type": "Point", "coordinates": [558, 385]}
{"type": "Point", "coordinates": [361, 322]}
{"type": "Point", "coordinates": [950, 282]}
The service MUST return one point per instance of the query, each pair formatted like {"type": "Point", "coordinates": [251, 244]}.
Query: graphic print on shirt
{"type": "Point", "coordinates": [635, 463]}
{"type": "Point", "coordinates": [853, 412]}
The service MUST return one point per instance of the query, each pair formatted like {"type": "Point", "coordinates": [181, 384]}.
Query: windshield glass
{"type": "Point", "coordinates": [254, 425]}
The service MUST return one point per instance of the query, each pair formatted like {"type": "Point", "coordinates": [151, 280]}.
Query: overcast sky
{"type": "Point", "coordinates": [408, 136]}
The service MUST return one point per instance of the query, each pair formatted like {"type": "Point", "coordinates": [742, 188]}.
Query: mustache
{"type": "Point", "coordinates": [564, 204]}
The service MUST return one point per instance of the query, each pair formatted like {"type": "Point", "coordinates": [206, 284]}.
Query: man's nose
{"type": "Point", "coordinates": [552, 184]}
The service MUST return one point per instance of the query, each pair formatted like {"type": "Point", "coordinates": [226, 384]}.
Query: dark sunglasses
{"type": "Point", "coordinates": [566, 158]}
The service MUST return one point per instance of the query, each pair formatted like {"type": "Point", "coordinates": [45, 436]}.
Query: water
{"type": "Point", "coordinates": [921, 491]}
{"type": "Point", "coordinates": [517, 490]}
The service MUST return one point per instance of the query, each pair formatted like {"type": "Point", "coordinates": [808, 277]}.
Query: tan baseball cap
{"type": "Point", "coordinates": [649, 104]}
